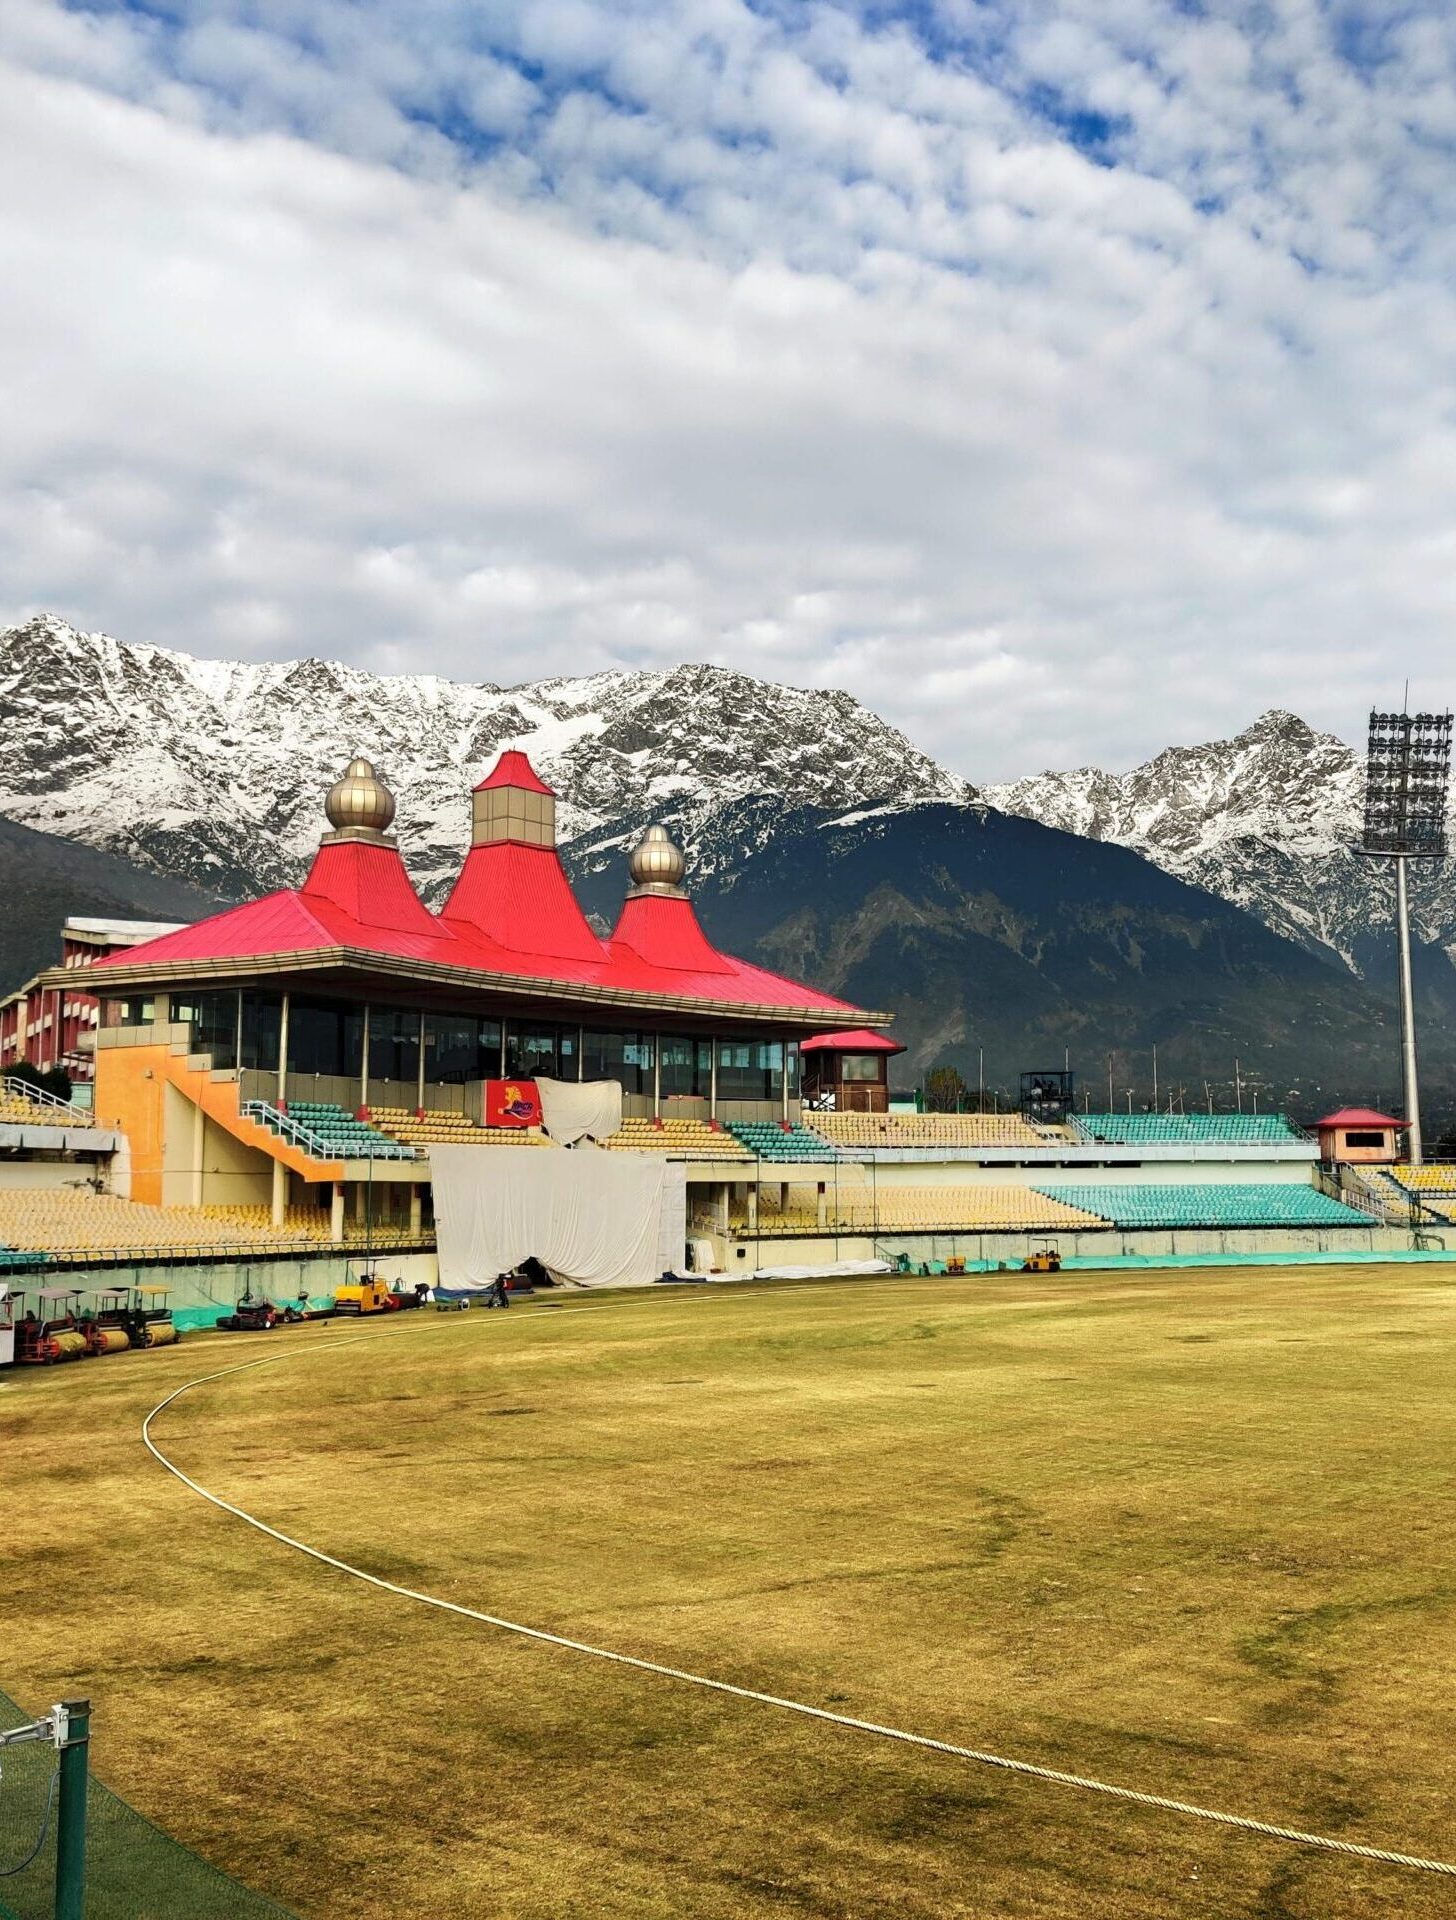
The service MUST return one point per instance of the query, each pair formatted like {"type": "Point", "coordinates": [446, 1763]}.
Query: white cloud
{"type": "Point", "coordinates": [500, 340]}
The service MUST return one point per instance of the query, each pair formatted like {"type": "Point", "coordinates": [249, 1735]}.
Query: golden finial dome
{"type": "Point", "coordinates": [358, 800]}
{"type": "Point", "coordinates": [656, 865]}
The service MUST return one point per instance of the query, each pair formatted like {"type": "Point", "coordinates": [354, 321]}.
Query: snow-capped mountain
{"type": "Point", "coordinates": [1268, 820]}
{"type": "Point", "coordinates": [214, 771]}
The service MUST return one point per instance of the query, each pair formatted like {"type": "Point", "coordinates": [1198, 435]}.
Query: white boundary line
{"type": "Point", "coordinates": [1027, 1768]}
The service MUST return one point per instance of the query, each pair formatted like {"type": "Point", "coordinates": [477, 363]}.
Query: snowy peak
{"type": "Point", "coordinates": [1268, 819]}
{"type": "Point", "coordinates": [215, 770]}
{"type": "Point", "coordinates": [1279, 780]}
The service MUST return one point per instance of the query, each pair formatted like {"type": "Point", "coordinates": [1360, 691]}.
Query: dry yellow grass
{"type": "Point", "coordinates": [1193, 1532]}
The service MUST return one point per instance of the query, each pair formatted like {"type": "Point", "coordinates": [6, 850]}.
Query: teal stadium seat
{"type": "Point", "coordinates": [339, 1134]}
{"type": "Point", "coordinates": [14, 1260]}
{"type": "Point", "coordinates": [1184, 1129]}
{"type": "Point", "coordinates": [769, 1140]}
{"type": "Point", "coordinates": [1244, 1204]}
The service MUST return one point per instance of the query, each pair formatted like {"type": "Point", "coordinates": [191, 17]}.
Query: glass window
{"type": "Point", "coordinates": [459, 1047]}
{"type": "Point", "coordinates": [129, 1013]}
{"type": "Point", "coordinates": [687, 1065]}
{"type": "Point", "coordinates": [793, 1068]}
{"type": "Point", "coordinates": [533, 1050]}
{"type": "Point", "coordinates": [213, 1018]}
{"type": "Point", "coordinates": [324, 1037]}
{"type": "Point", "coordinates": [262, 1024]}
{"type": "Point", "coordinates": [1371, 1139]}
{"type": "Point", "coordinates": [394, 1044]}
{"type": "Point", "coordinates": [859, 1066]}
{"type": "Point", "coordinates": [750, 1069]}
{"type": "Point", "coordinates": [618, 1056]}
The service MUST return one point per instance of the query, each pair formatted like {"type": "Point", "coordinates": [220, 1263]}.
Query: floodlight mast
{"type": "Point", "coordinates": [1407, 776]}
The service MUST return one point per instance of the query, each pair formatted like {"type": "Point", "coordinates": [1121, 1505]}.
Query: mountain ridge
{"type": "Point", "coordinates": [224, 764]}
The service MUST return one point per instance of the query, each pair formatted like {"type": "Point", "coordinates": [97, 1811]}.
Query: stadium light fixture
{"type": "Point", "coordinates": [1407, 779]}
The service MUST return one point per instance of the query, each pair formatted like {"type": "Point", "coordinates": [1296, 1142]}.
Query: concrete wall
{"type": "Point", "coordinates": [745, 1255]}
{"type": "Point", "coordinates": [233, 1175]}
{"type": "Point", "coordinates": [1180, 1173]}
{"type": "Point", "coordinates": [48, 1174]}
{"type": "Point", "coordinates": [219, 1283]}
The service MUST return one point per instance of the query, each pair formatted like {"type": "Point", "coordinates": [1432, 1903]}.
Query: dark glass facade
{"type": "Point", "coordinates": [459, 1048]}
{"type": "Point", "coordinates": [750, 1069]}
{"type": "Point", "coordinates": [687, 1065]}
{"type": "Point", "coordinates": [613, 1055]}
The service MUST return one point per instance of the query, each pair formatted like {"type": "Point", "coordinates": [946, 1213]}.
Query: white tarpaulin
{"type": "Point", "coordinates": [570, 1111]}
{"type": "Point", "coordinates": [595, 1219]}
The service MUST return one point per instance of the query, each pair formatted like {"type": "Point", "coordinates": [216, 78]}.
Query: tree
{"type": "Point", "coordinates": [54, 1080]}
{"type": "Point", "coordinates": [945, 1091]}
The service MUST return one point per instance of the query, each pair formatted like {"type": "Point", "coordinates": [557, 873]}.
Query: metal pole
{"type": "Point", "coordinates": [281, 1096]}
{"type": "Point", "coordinates": [1407, 1019]}
{"type": "Point", "coordinates": [71, 1813]}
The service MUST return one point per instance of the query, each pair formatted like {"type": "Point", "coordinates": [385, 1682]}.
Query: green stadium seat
{"type": "Point", "coordinates": [1216, 1204]}
{"type": "Point", "coordinates": [1184, 1129]}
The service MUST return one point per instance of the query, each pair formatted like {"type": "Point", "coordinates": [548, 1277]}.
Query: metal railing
{"type": "Point", "coordinates": [318, 1146]}
{"type": "Point", "coordinates": [17, 1089]}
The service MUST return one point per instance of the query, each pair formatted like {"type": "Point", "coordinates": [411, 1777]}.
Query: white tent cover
{"type": "Point", "coordinates": [571, 1110]}
{"type": "Point", "coordinates": [592, 1219]}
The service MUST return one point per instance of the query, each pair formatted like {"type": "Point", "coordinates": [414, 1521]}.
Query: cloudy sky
{"type": "Point", "coordinates": [1063, 379]}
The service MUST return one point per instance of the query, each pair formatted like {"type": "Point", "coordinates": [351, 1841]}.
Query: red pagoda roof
{"type": "Point", "coordinates": [855, 1040]}
{"type": "Point", "coordinates": [513, 769]}
{"type": "Point", "coordinates": [1359, 1117]}
{"type": "Point", "coordinates": [511, 917]}
{"type": "Point", "coordinates": [519, 898]}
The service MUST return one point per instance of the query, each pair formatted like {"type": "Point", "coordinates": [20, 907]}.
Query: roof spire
{"type": "Point", "coordinates": [657, 865]}
{"type": "Point", "coordinates": [512, 802]}
{"type": "Point", "coordinates": [359, 806]}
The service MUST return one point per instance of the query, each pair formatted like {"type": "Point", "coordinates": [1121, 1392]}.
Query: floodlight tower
{"type": "Point", "coordinates": [1407, 774]}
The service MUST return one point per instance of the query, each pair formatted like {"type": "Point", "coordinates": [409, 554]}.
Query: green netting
{"type": "Point", "coordinates": [133, 1870]}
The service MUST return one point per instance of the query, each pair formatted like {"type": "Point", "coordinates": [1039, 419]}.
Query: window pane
{"type": "Point", "coordinates": [859, 1066]}
{"type": "Point", "coordinates": [262, 1021]}
{"type": "Point", "coordinates": [618, 1056]}
{"type": "Point", "coordinates": [215, 1030]}
{"type": "Point", "coordinates": [533, 1050]}
{"type": "Point", "coordinates": [687, 1065]}
{"type": "Point", "coordinates": [750, 1069]}
{"type": "Point", "coordinates": [394, 1044]}
{"type": "Point", "coordinates": [459, 1047]}
{"type": "Point", "coordinates": [324, 1037]}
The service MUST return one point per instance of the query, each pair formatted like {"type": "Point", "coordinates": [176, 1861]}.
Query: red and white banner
{"type": "Point", "coordinates": [512, 1103]}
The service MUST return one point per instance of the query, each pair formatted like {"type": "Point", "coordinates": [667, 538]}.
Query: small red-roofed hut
{"type": "Point", "coordinates": [849, 1069]}
{"type": "Point", "coordinates": [1359, 1137]}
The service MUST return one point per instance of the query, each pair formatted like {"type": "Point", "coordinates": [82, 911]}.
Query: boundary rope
{"type": "Point", "coordinates": [1028, 1769]}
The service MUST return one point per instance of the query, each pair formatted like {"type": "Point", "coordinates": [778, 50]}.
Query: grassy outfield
{"type": "Point", "coordinates": [1194, 1532]}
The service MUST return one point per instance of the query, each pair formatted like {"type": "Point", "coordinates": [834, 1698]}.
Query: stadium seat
{"type": "Point", "coordinates": [1221, 1204]}
{"type": "Point", "coordinates": [678, 1139]}
{"type": "Point", "coordinates": [330, 1133]}
{"type": "Point", "coordinates": [1184, 1129]}
{"type": "Point", "coordinates": [24, 1106]}
{"type": "Point", "coordinates": [100, 1225]}
{"type": "Point", "coordinates": [772, 1140]}
{"type": "Point", "coordinates": [449, 1130]}
{"type": "Point", "coordinates": [860, 1209]}
{"type": "Point", "coordinates": [923, 1132]}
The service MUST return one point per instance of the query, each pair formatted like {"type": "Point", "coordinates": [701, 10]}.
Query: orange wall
{"type": "Point", "coordinates": [129, 1091]}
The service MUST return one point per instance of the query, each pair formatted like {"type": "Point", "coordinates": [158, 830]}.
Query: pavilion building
{"type": "Point", "coordinates": [348, 992]}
